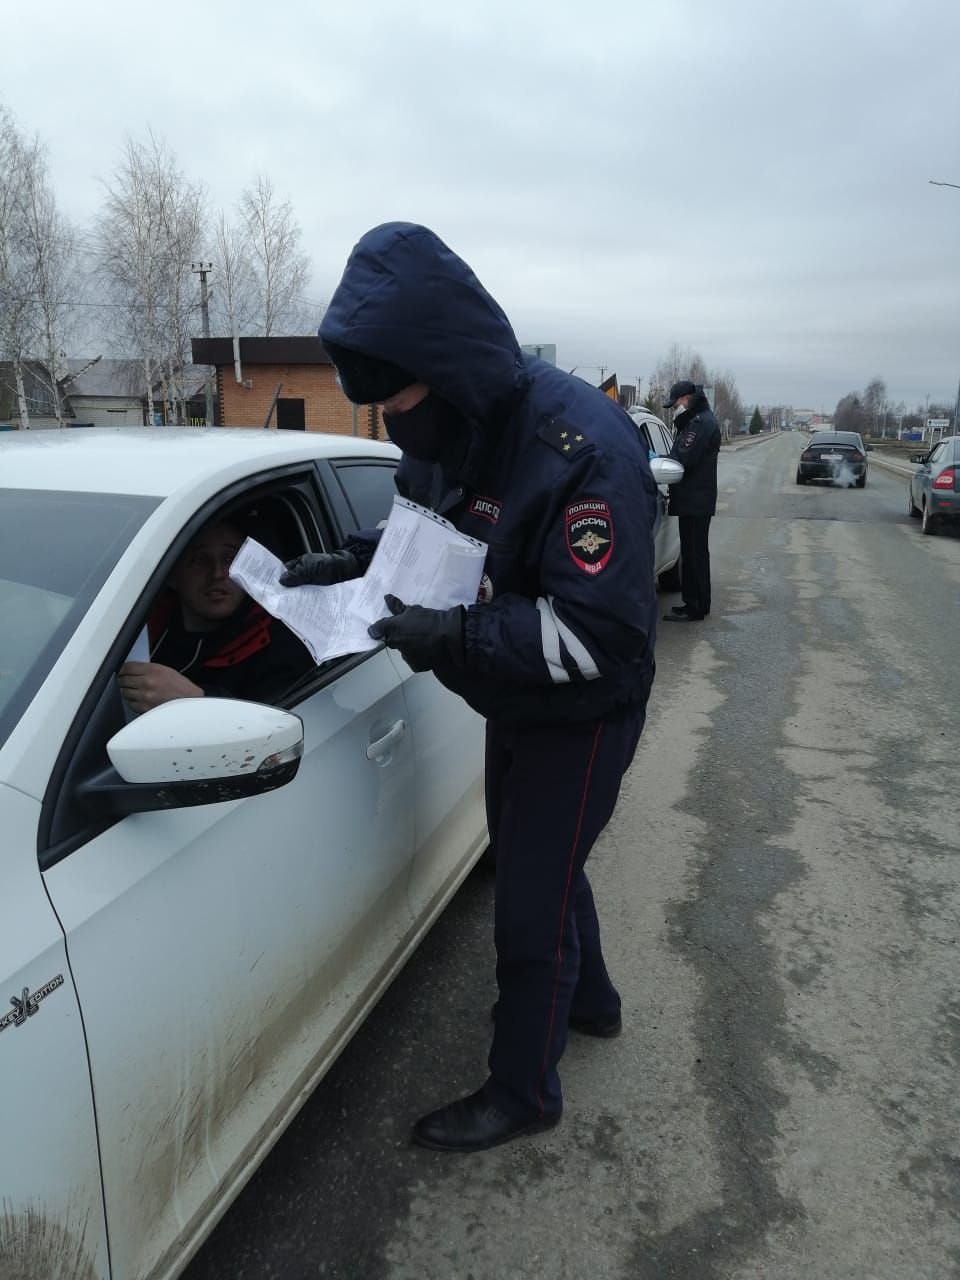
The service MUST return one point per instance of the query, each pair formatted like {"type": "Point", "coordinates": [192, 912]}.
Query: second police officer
{"type": "Point", "coordinates": [558, 653]}
{"type": "Point", "coordinates": [693, 500]}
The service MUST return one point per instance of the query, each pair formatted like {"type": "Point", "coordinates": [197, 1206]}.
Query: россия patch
{"type": "Point", "coordinates": [589, 534]}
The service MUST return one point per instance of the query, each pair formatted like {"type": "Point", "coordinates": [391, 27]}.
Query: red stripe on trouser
{"type": "Point", "coordinates": [563, 911]}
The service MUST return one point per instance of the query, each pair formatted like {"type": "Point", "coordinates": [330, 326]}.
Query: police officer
{"type": "Point", "coordinates": [694, 498]}
{"type": "Point", "coordinates": [558, 653]}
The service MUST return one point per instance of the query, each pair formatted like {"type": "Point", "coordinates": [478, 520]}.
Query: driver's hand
{"type": "Point", "coordinates": [145, 685]}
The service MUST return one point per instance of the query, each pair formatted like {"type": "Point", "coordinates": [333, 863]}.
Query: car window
{"type": "Point", "coordinates": [666, 440]}
{"type": "Point", "coordinates": [56, 551]}
{"type": "Point", "coordinates": [370, 490]}
{"type": "Point", "coordinates": [938, 453]}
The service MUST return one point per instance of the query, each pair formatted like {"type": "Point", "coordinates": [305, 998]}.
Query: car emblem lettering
{"type": "Point", "coordinates": [28, 1003]}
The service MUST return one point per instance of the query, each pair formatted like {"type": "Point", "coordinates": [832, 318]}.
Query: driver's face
{"type": "Point", "coordinates": [208, 595]}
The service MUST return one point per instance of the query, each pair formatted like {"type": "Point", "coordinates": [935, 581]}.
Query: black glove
{"type": "Point", "coordinates": [425, 637]}
{"type": "Point", "coordinates": [320, 569]}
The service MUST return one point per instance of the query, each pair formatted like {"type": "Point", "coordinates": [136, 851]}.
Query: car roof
{"type": "Point", "coordinates": [644, 415]}
{"type": "Point", "coordinates": [160, 461]}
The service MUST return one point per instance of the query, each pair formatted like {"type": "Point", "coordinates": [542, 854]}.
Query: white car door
{"type": "Point", "coordinates": [223, 954]}
{"type": "Point", "coordinates": [51, 1203]}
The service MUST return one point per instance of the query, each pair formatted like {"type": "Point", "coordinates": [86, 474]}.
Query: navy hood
{"type": "Point", "coordinates": [406, 298]}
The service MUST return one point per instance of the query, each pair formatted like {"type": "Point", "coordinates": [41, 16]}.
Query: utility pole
{"type": "Point", "coordinates": [202, 269]}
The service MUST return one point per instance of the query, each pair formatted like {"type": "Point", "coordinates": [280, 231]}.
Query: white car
{"type": "Point", "coordinates": [666, 471]}
{"type": "Point", "coordinates": [186, 947]}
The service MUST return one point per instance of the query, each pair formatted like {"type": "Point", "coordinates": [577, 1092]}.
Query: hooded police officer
{"type": "Point", "coordinates": [558, 652]}
{"type": "Point", "coordinates": [694, 498]}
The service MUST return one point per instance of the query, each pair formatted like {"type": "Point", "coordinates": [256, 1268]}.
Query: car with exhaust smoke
{"type": "Point", "coordinates": [199, 905]}
{"type": "Point", "coordinates": [837, 456]}
{"type": "Point", "coordinates": [934, 495]}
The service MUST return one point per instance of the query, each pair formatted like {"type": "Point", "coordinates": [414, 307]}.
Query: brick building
{"type": "Point", "coordinates": [309, 398]}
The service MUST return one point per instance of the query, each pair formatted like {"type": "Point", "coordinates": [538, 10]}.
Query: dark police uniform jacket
{"type": "Point", "coordinates": [548, 472]}
{"type": "Point", "coordinates": [697, 445]}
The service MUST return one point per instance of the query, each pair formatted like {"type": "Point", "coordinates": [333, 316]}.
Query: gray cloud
{"type": "Point", "coordinates": [748, 179]}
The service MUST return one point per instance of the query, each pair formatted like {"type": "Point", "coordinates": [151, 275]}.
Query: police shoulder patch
{"type": "Point", "coordinates": [567, 440]}
{"type": "Point", "coordinates": [589, 534]}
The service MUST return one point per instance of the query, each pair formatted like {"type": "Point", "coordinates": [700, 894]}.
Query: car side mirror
{"type": "Point", "coordinates": [869, 448]}
{"type": "Point", "coordinates": [918, 458]}
{"type": "Point", "coordinates": [666, 470]}
{"type": "Point", "coordinates": [196, 751]}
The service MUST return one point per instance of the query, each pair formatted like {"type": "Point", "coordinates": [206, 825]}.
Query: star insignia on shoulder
{"type": "Point", "coordinates": [562, 437]}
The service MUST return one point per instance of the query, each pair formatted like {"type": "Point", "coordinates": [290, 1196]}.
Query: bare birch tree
{"type": "Point", "coordinates": [233, 297]}
{"type": "Point", "coordinates": [38, 269]}
{"type": "Point", "coordinates": [281, 268]}
{"type": "Point", "coordinates": [51, 247]}
{"type": "Point", "coordinates": [16, 280]}
{"type": "Point", "coordinates": [151, 229]}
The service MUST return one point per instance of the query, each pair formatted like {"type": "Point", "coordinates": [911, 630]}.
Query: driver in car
{"type": "Point", "coordinates": [208, 638]}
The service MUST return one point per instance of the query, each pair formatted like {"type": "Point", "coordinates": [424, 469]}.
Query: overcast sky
{"type": "Point", "coordinates": [747, 178]}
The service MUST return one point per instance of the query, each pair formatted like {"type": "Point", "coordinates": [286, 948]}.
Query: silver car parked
{"type": "Point", "coordinates": [666, 471]}
{"type": "Point", "coordinates": [934, 495]}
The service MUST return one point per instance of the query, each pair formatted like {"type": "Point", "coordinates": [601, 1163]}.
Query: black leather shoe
{"type": "Point", "coordinates": [684, 617]}
{"type": "Point", "coordinates": [473, 1124]}
{"type": "Point", "coordinates": [679, 608]}
{"type": "Point", "coordinates": [603, 1028]}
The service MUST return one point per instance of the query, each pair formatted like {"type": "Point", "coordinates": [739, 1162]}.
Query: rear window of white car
{"type": "Point", "coordinates": [56, 551]}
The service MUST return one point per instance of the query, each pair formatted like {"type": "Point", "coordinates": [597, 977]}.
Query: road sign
{"type": "Point", "coordinates": [545, 350]}
{"type": "Point", "coordinates": [938, 423]}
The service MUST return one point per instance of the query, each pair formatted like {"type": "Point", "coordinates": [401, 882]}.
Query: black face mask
{"type": "Point", "coordinates": [430, 432]}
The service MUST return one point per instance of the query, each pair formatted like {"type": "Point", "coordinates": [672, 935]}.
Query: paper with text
{"type": "Point", "coordinates": [420, 558]}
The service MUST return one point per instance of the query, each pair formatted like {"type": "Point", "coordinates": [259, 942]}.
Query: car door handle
{"type": "Point", "coordinates": [377, 750]}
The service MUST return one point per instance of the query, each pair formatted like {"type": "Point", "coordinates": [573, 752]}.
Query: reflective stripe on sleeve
{"type": "Point", "coordinates": [575, 647]}
{"type": "Point", "coordinates": [550, 636]}
{"type": "Point", "coordinates": [553, 632]}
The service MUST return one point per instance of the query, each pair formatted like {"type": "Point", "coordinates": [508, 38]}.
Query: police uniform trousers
{"type": "Point", "coordinates": [695, 563]}
{"type": "Point", "coordinates": [550, 791]}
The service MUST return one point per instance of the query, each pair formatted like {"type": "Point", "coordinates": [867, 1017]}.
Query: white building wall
{"type": "Point", "coordinates": [108, 411]}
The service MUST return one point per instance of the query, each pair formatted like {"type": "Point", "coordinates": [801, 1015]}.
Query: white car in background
{"type": "Point", "coordinates": [658, 439]}
{"type": "Point", "coordinates": [185, 948]}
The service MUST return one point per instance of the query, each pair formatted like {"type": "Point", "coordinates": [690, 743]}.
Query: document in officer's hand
{"type": "Point", "coordinates": [420, 558]}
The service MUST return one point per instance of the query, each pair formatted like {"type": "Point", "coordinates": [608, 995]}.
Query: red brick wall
{"type": "Point", "coordinates": [326, 408]}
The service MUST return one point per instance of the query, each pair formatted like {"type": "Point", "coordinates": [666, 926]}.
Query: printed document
{"type": "Point", "coordinates": [420, 558]}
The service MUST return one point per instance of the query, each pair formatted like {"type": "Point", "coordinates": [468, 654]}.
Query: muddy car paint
{"type": "Point", "coordinates": [221, 955]}
{"type": "Point", "coordinates": [51, 1202]}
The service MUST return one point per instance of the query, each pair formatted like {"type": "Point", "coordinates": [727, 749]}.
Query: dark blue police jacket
{"type": "Point", "coordinates": [551, 475]}
{"type": "Point", "coordinates": [697, 446]}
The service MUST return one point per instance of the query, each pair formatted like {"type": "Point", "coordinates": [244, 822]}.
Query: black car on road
{"type": "Point", "coordinates": [837, 456]}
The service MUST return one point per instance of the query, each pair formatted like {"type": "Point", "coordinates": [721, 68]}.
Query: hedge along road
{"type": "Point", "coordinates": [780, 890]}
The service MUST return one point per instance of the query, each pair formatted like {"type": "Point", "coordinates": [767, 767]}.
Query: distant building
{"type": "Point", "coordinates": [290, 380]}
{"type": "Point", "coordinates": [95, 393]}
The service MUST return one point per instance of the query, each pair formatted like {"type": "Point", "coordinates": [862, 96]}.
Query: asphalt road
{"type": "Point", "coordinates": [780, 888]}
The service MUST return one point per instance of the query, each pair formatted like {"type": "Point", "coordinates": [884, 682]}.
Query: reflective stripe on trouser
{"type": "Point", "coordinates": [695, 562]}
{"type": "Point", "coordinates": [550, 792]}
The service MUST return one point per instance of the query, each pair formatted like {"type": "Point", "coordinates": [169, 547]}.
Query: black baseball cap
{"type": "Point", "coordinates": [677, 390]}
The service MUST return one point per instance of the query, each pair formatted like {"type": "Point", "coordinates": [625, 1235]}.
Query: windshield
{"type": "Point", "coordinates": [56, 551]}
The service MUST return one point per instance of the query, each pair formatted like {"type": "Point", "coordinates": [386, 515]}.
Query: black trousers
{"type": "Point", "coordinates": [695, 563]}
{"type": "Point", "coordinates": [550, 792]}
